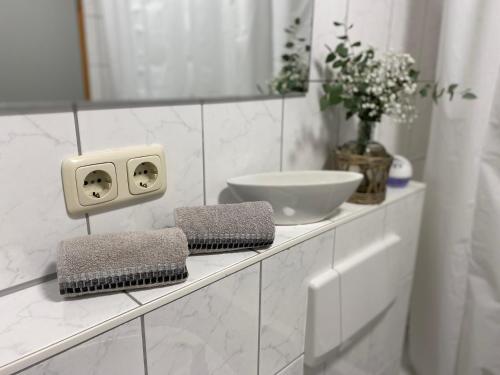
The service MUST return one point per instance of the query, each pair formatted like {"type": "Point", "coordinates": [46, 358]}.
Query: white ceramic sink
{"type": "Point", "coordinates": [297, 197]}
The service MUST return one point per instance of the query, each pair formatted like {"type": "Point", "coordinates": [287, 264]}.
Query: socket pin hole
{"type": "Point", "coordinates": [99, 186]}
{"type": "Point", "coordinates": [145, 175]}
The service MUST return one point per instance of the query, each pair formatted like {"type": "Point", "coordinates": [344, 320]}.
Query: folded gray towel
{"type": "Point", "coordinates": [226, 227]}
{"type": "Point", "coordinates": [116, 261]}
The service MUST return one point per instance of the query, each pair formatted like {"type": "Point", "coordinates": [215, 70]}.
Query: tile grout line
{"type": "Point", "coordinates": [289, 363]}
{"type": "Point", "coordinates": [87, 220]}
{"type": "Point", "coordinates": [21, 371]}
{"type": "Point", "coordinates": [202, 114]}
{"type": "Point", "coordinates": [27, 284]}
{"type": "Point", "coordinates": [144, 350]}
{"type": "Point", "coordinates": [77, 129]}
{"type": "Point", "coordinates": [282, 133]}
{"type": "Point", "coordinates": [133, 298]}
{"type": "Point", "coordinates": [79, 148]}
{"type": "Point", "coordinates": [259, 318]}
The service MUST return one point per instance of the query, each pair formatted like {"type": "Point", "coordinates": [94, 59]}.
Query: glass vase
{"type": "Point", "coordinates": [369, 158]}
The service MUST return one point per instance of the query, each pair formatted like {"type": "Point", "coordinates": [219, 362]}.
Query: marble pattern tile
{"type": "Point", "coordinates": [285, 279]}
{"type": "Point", "coordinates": [403, 218]}
{"type": "Point", "coordinates": [324, 33]}
{"type": "Point", "coordinates": [210, 331]}
{"type": "Point", "coordinates": [33, 216]}
{"type": "Point", "coordinates": [294, 368]}
{"type": "Point", "coordinates": [407, 24]}
{"type": "Point", "coordinates": [309, 135]}
{"type": "Point", "coordinates": [418, 169]}
{"type": "Point", "coordinates": [240, 138]}
{"type": "Point", "coordinates": [116, 352]}
{"type": "Point", "coordinates": [38, 316]}
{"type": "Point", "coordinates": [372, 22]}
{"type": "Point", "coordinates": [357, 234]}
{"type": "Point", "coordinates": [394, 136]}
{"type": "Point", "coordinates": [199, 267]}
{"type": "Point", "coordinates": [178, 129]}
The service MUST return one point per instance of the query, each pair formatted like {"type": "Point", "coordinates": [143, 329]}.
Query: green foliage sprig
{"type": "Point", "coordinates": [293, 76]}
{"type": "Point", "coordinates": [370, 84]}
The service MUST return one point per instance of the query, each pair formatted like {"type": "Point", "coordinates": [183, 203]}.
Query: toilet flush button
{"type": "Point", "coordinates": [323, 317]}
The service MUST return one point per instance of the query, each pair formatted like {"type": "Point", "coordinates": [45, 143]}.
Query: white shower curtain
{"type": "Point", "coordinates": [157, 49]}
{"type": "Point", "coordinates": [455, 315]}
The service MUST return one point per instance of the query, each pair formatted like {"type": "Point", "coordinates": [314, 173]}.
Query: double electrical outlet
{"type": "Point", "coordinates": [100, 180]}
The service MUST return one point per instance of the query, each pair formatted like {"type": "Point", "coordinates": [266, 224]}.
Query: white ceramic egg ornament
{"type": "Point", "coordinates": [400, 173]}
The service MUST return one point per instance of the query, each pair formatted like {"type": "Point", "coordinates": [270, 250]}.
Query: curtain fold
{"type": "Point", "coordinates": [480, 337]}
{"type": "Point", "coordinates": [446, 299]}
{"type": "Point", "coordinates": [158, 49]}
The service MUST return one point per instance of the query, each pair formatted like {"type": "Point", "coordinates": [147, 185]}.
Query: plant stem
{"type": "Point", "coordinates": [365, 131]}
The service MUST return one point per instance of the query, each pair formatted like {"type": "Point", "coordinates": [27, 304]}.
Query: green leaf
{"type": "Point", "coordinates": [289, 45]}
{"type": "Point", "coordinates": [338, 64]}
{"type": "Point", "coordinates": [334, 100]}
{"type": "Point", "coordinates": [308, 48]}
{"type": "Point", "coordinates": [338, 23]}
{"type": "Point", "coordinates": [358, 58]}
{"type": "Point", "coordinates": [330, 57]}
{"type": "Point", "coordinates": [423, 91]}
{"type": "Point", "coordinates": [342, 37]}
{"type": "Point", "coordinates": [341, 50]}
{"type": "Point", "coordinates": [335, 94]}
{"type": "Point", "coordinates": [297, 21]}
{"type": "Point", "coordinates": [451, 90]}
{"type": "Point", "coordinates": [350, 104]}
{"type": "Point", "coordinates": [348, 115]}
{"type": "Point", "coordinates": [469, 95]}
{"type": "Point", "coordinates": [285, 57]}
{"type": "Point", "coordinates": [437, 93]}
{"type": "Point", "coordinates": [414, 74]}
{"type": "Point", "coordinates": [356, 44]}
{"type": "Point", "coordinates": [323, 102]}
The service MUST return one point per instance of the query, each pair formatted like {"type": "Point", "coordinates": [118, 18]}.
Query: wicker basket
{"type": "Point", "coordinates": [375, 170]}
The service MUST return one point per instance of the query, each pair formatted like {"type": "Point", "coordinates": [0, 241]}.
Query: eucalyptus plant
{"type": "Point", "coordinates": [370, 84]}
{"type": "Point", "coordinates": [293, 76]}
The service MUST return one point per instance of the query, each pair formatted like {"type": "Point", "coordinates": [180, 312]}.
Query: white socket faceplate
{"type": "Point", "coordinates": [102, 180]}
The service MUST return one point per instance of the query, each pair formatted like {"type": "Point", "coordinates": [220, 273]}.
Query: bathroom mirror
{"type": "Point", "coordinates": [113, 51]}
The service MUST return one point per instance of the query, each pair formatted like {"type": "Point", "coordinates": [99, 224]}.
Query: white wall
{"type": "Point", "coordinates": [36, 61]}
{"type": "Point", "coordinates": [205, 144]}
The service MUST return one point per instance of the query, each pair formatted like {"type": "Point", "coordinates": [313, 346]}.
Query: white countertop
{"type": "Point", "coordinates": [38, 323]}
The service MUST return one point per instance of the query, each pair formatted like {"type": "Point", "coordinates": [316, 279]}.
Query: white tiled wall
{"type": "Point", "coordinates": [118, 351]}
{"type": "Point", "coordinates": [211, 331]}
{"type": "Point", "coordinates": [205, 144]}
{"type": "Point", "coordinates": [310, 134]}
{"type": "Point", "coordinates": [32, 213]}
{"type": "Point", "coordinates": [240, 138]}
{"type": "Point", "coordinates": [178, 129]}
{"type": "Point", "coordinates": [285, 280]}
{"type": "Point", "coordinates": [252, 321]}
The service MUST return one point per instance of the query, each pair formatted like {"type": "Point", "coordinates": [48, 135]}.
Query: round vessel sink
{"type": "Point", "coordinates": [297, 197]}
